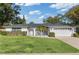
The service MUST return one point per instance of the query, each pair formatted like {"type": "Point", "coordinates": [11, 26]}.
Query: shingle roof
{"type": "Point", "coordinates": [35, 25]}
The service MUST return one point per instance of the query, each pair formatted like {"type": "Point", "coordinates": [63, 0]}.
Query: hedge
{"type": "Point", "coordinates": [51, 34]}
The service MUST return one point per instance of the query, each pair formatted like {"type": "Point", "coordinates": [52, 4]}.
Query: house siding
{"type": "Point", "coordinates": [31, 31]}
{"type": "Point", "coordinates": [8, 29]}
{"type": "Point", "coordinates": [23, 29]}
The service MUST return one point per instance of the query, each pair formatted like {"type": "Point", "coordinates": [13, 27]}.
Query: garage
{"type": "Point", "coordinates": [63, 31]}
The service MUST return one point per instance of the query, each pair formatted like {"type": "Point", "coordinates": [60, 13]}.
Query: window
{"type": "Point", "coordinates": [16, 29]}
{"type": "Point", "coordinates": [62, 28]}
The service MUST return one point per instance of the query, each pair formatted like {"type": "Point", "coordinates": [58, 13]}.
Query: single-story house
{"type": "Point", "coordinates": [30, 29]}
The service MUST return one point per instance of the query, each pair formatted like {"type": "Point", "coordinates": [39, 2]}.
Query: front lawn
{"type": "Point", "coordinates": [23, 44]}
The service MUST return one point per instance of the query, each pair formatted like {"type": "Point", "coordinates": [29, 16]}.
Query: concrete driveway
{"type": "Point", "coordinates": [73, 41]}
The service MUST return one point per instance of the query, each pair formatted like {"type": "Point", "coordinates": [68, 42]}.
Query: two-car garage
{"type": "Point", "coordinates": [63, 31]}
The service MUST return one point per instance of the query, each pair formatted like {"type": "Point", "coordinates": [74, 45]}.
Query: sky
{"type": "Point", "coordinates": [36, 12]}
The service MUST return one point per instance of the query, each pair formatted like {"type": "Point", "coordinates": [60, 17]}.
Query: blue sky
{"type": "Point", "coordinates": [36, 12]}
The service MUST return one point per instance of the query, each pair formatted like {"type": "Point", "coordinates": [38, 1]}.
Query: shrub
{"type": "Point", "coordinates": [24, 33]}
{"type": "Point", "coordinates": [3, 33]}
{"type": "Point", "coordinates": [51, 34]}
{"type": "Point", "coordinates": [75, 35]}
{"type": "Point", "coordinates": [77, 30]}
{"type": "Point", "coordinates": [17, 33]}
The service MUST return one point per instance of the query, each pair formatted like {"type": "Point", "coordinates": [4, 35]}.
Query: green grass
{"type": "Point", "coordinates": [23, 44]}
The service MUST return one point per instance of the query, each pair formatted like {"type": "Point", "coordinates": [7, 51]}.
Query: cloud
{"type": "Point", "coordinates": [34, 12]}
{"type": "Point", "coordinates": [46, 16]}
{"type": "Point", "coordinates": [21, 16]}
{"type": "Point", "coordinates": [27, 4]}
{"type": "Point", "coordinates": [58, 6]}
{"type": "Point", "coordinates": [26, 17]}
{"type": "Point", "coordinates": [62, 7]}
{"type": "Point", "coordinates": [41, 17]}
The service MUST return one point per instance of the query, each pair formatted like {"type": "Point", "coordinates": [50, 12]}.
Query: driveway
{"type": "Point", "coordinates": [73, 41]}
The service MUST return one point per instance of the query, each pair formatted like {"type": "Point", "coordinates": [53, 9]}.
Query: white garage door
{"type": "Point", "coordinates": [63, 32]}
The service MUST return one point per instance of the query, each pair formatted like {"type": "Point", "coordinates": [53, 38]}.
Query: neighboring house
{"type": "Point", "coordinates": [30, 29]}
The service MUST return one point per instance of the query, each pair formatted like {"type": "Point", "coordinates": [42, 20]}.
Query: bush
{"type": "Point", "coordinates": [3, 33]}
{"type": "Point", "coordinates": [24, 33]}
{"type": "Point", "coordinates": [51, 34]}
{"type": "Point", "coordinates": [75, 35]}
{"type": "Point", "coordinates": [77, 30]}
{"type": "Point", "coordinates": [17, 33]}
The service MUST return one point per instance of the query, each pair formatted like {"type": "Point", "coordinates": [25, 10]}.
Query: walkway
{"type": "Point", "coordinates": [73, 41]}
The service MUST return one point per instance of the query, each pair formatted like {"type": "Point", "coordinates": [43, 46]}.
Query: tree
{"type": "Point", "coordinates": [42, 29]}
{"type": "Point", "coordinates": [8, 12]}
{"type": "Point", "coordinates": [73, 14]}
{"type": "Point", "coordinates": [24, 20]}
{"type": "Point", "coordinates": [65, 20]}
{"type": "Point", "coordinates": [31, 22]}
{"type": "Point", "coordinates": [51, 20]}
{"type": "Point", "coordinates": [19, 20]}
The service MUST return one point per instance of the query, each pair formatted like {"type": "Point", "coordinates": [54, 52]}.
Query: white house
{"type": "Point", "coordinates": [30, 29]}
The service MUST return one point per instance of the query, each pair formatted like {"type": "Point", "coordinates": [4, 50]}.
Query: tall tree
{"type": "Point", "coordinates": [51, 20]}
{"type": "Point", "coordinates": [8, 12]}
{"type": "Point", "coordinates": [31, 22]}
{"type": "Point", "coordinates": [73, 14]}
{"type": "Point", "coordinates": [65, 20]}
{"type": "Point", "coordinates": [19, 20]}
{"type": "Point", "coordinates": [24, 20]}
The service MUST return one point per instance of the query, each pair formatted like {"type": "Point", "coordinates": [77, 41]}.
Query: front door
{"type": "Point", "coordinates": [31, 33]}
